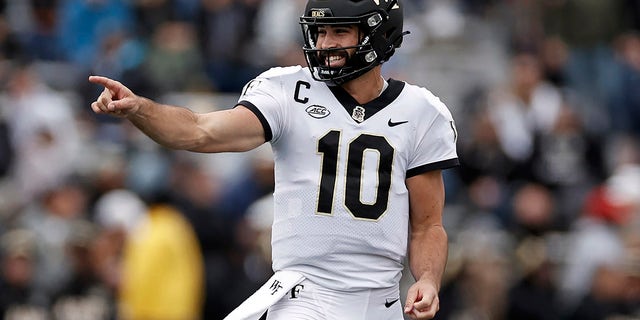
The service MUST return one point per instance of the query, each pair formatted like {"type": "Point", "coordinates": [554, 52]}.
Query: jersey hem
{"type": "Point", "coordinates": [268, 135]}
{"type": "Point", "coordinates": [445, 164]}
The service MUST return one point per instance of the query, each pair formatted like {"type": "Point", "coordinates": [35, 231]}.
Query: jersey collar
{"type": "Point", "coordinates": [372, 107]}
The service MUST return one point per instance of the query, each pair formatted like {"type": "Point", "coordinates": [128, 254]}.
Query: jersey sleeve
{"type": "Point", "coordinates": [435, 147]}
{"type": "Point", "coordinates": [261, 96]}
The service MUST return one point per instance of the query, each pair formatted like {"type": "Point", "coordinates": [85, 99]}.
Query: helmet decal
{"type": "Point", "coordinates": [321, 12]}
{"type": "Point", "coordinates": [395, 6]}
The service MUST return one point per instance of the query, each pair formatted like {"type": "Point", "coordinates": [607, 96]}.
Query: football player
{"type": "Point", "coordinates": [358, 162]}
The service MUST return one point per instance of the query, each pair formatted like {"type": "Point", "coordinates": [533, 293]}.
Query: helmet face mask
{"type": "Point", "coordinates": [379, 25]}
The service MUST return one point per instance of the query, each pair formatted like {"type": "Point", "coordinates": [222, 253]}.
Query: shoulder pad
{"type": "Point", "coordinates": [280, 71]}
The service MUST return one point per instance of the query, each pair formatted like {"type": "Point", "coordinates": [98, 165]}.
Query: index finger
{"type": "Point", "coordinates": [105, 82]}
{"type": "Point", "coordinates": [117, 88]}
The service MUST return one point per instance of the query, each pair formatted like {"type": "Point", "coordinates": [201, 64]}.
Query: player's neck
{"type": "Point", "coordinates": [366, 87]}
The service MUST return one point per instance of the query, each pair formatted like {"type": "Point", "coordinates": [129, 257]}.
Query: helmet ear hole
{"type": "Point", "coordinates": [389, 33]}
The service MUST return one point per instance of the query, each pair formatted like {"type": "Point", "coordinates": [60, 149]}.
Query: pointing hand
{"type": "Point", "coordinates": [116, 99]}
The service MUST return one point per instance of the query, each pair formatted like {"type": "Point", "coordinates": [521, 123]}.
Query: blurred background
{"type": "Point", "coordinates": [99, 222]}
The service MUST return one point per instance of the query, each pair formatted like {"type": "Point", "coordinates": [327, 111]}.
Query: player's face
{"type": "Point", "coordinates": [333, 37]}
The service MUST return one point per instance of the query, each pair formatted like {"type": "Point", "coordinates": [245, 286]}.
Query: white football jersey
{"type": "Point", "coordinates": [341, 210]}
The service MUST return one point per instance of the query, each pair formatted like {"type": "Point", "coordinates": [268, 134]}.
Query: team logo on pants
{"type": "Point", "coordinates": [295, 291]}
{"type": "Point", "coordinates": [275, 286]}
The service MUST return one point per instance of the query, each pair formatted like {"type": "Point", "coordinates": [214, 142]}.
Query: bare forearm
{"type": "Point", "coordinates": [227, 130]}
{"type": "Point", "coordinates": [428, 251]}
{"type": "Point", "coordinates": [172, 127]}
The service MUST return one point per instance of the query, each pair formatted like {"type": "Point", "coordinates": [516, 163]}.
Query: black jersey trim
{"type": "Point", "coordinates": [372, 107]}
{"type": "Point", "coordinates": [440, 165]}
{"type": "Point", "coordinates": [268, 134]}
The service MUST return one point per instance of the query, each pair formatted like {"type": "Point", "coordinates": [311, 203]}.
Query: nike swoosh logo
{"type": "Point", "coordinates": [393, 124]}
{"type": "Point", "coordinates": [388, 303]}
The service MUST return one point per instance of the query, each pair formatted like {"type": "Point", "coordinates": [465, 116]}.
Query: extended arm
{"type": "Point", "coordinates": [237, 129]}
{"type": "Point", "coordinates": [428, 244]}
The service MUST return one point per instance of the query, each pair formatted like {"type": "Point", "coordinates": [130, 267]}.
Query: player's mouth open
{"type": "Point", "coordinates": [334, 61]}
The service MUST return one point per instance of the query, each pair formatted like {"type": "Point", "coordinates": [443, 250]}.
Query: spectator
{"type": "Point", "coordinates": [225, 27]}
{"type": "Point", "coordinates": [534, 296]}
{"type": "Point", "coordinates": [481, 251]}
{"type": "Point", "coordinates": [84, 296]}
{"type": "Point", "coordinates": [590, 67]}
{"type": "Point", "coordinates": [44, 133]}
{"type": "Point", "coordinates": [528, 106]}
{"type": "Point", "coordinates": [174, 61]}
{"type": "Point", "coordinates": [162, 269]}
{"type": "Point", "coordinates": [596, 239]}
{"type": "Point", "coordinates": [83, 24]}
{"type": "Point", "coordinates": [624, 110]}
{"type": "Point", "coordinates": [197, 193]}
{"type": "Point", "coordinates": [117, 213]}
{"type": "Point", "coordinates": [609, 296]}
{"type": "Point", "coordinates": [569, 160]}
{"type": "Point", "coordinates": [19, 298]}
{"type": "Point", "coordinates": [277, 38]}
{"type": "Point", "coordinates": [256, 182]}
{"type": "Point", "coordinates": [533, 211]}
{"type": "Point", "coordinates": [52, 219]}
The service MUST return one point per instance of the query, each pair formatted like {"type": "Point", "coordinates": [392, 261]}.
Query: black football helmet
{"type": "Point", "coordinates": [379, 23]}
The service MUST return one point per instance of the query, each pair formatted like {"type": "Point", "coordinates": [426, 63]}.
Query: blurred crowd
{"type": "Point", "coordinates": [99, 222]}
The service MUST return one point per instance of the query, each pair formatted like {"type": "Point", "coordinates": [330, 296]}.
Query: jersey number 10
{"type": "Point", "coordinates": [329, 146]}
